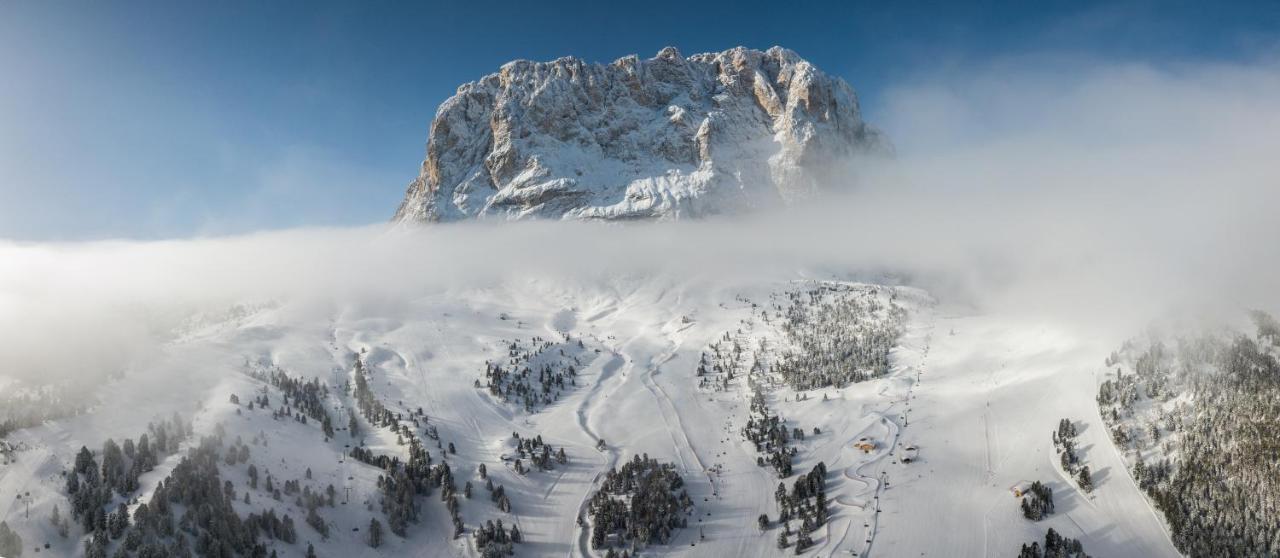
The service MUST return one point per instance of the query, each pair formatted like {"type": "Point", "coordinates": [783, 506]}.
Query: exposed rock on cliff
{"type": "Point", "coordinates": [667, 137]}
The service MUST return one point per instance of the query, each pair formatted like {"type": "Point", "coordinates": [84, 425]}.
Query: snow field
{"type": "Point", "coordinates": [979, 404]}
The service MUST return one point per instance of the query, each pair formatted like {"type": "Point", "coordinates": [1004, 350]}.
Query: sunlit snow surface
{"type": "Point", "coordinates": [977, 394]}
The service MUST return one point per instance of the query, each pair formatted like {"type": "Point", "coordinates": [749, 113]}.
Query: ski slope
{"type": "Point", "coordinates": [979, 404]}
{"type": "Point", "coordinates": [989, 395]}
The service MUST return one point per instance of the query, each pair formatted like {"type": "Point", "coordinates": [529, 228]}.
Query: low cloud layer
{"type": "Point", "coordinates": [1107, 195]}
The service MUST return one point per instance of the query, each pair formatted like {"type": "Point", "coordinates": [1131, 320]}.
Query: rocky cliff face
{"type": "Point", "coordinates": [667, 137]}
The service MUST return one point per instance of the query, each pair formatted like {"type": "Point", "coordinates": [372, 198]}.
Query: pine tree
{"type": "Point", "coordinates": [84, 461]}
{"type": "Point", "coordinates": [1028, 512]}
{"type": "Point", "coordinates": [1030, 551]}
{"type": "Point", "coordinates": [597, 534]}
{"type": "Point", "coordinates": [1085, 478]}
{"type": "Point", "coordinates": [375, 533]}
{"type": "Point", "coordinates": [316, 522]}
{"type": "Point", "coordinates": [118, 521]}
{"type": "Point", "coordinates": [10, 542]}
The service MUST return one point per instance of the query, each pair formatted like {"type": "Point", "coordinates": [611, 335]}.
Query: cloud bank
{"type": "Point", "coordinates": [1102, 194]}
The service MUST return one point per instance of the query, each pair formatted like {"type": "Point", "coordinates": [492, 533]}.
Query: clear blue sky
{"type": "Point", "coordinates": [157, 119]}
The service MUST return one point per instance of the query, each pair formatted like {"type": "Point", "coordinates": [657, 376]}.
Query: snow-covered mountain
{"type": "Point", "coordinates": [668, 137]}
{"type": "Point", "coordinates": [545, 410]}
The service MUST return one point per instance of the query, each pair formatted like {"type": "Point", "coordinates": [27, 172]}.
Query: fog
{"type": "Point", "coordinates": [1101, 195]}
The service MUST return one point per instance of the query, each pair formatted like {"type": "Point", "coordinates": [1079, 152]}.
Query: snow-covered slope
{"type": "Point", "coordinates": [979, 404]}
{"type": "Point", "coordinates": [665, 137]}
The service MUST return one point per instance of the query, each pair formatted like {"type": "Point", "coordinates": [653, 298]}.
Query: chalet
{"type": "Point", "coordinates": [1020, 488]}
{"type": "Point", "coordinates": [867, 445]}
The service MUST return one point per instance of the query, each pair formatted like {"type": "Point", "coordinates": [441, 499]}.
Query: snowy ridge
{"type": "Point", "coordinates": [667, 137]}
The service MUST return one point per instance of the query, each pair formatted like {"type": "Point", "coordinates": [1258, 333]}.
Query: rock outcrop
{"type": "Point", "coordinates": [668, 137]}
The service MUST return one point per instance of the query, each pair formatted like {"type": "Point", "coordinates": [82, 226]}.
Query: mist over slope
{"type": "Point", "coordinates": [1092, 194]}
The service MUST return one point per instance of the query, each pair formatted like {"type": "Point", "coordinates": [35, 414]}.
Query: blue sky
{"type": "Point", "coordinates": [162, 119]}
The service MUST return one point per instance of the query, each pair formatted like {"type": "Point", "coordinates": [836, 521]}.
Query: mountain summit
{"type": "Point", "coordinates": [668, 137]}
